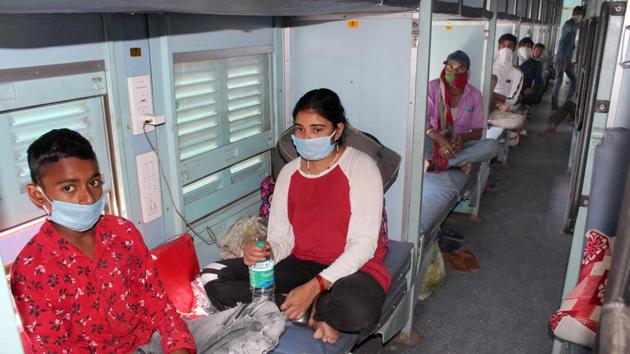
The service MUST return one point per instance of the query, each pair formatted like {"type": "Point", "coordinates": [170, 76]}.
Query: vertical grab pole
{"type": "Point", "coordinates": [417, 153]}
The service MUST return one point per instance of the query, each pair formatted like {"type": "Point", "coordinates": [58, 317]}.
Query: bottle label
{"type": "Point", "coordinates": [261, 275]}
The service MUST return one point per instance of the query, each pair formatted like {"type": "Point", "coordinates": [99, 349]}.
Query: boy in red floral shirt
{"type": "Point", "coordinates": [86, 283]}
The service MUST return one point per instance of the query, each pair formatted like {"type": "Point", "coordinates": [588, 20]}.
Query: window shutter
{"type": "Point", "coordinates": [245, 87]}
{"type": "Point", "coordinates": [196, 102]}
{"type": "Point", "coordinates": [21, 127]}
{"type": "Point", "coordinates": [222, 108]}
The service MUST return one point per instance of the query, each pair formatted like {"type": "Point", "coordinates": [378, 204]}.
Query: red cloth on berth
{"type": "Point", "coordinates": [319, 211]}
{"type": "Point", "coordinates": [111, 304]}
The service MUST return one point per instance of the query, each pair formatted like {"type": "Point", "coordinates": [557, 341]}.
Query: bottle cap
{"type": "Point", "coordinates": [260, 244]}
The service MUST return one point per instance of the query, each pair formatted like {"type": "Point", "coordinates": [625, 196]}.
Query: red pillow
{"type": "Point", "coordinates": [177, 265]}
{"type": "Point", "coordinates": [577, 320]}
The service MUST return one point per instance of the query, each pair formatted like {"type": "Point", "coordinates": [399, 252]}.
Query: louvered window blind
{"type": "Point", "coordinates": [19, 128]}
{"type": "Point", "coordinates": [222, 108]}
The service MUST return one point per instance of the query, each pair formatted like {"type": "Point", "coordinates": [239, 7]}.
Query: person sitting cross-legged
{"type": "Point", "coordinates": [455, 119]}
{"type": "Point", "coordinates": [532, 73]}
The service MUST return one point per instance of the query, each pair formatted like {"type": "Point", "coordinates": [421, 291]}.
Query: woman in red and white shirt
{"type": "Point", "coordinates": [323, 229]}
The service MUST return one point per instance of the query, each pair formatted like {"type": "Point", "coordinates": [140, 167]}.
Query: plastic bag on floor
{"type": "Point", "coordinates": [436, 274]}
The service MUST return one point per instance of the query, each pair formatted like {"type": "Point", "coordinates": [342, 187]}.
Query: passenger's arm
{"type": "Point", "coordinates": [497, 100]}
{"type": "Point", "coordinates": [162, 313]}
{"type": "Point", "coordinates": [366, 206]}
{"type": "Point", "coordinates": [46, 331]}
{"type": "Point", "coordinates": [279, 231]}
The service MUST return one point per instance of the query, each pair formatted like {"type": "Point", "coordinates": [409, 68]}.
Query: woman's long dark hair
{"type": "Point", "coordinates": [326, 103]}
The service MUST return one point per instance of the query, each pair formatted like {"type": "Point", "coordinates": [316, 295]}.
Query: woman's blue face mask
{"type": "Point", "coordinates": [76, 217]}
{"type": "Point", "coordinates": [314, 149]}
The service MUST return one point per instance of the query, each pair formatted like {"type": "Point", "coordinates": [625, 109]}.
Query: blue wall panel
{"type": "Point", "coordinates": [449, 37]}
{"type": "Point", "coordinates": [369, 67]}
{"type": "Point", "coordinates": [194, 32]}
{"type": "Point", "coordinates": [33, 40]}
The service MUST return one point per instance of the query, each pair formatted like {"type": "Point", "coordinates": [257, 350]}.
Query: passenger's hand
{"type": "Point", "coordinates": [254, 254]}
{"type": "Point", "coordinates": [504, 107]}
{"type": "Point", "coordinates": [446, 150]}
{"type": "Point", "coordinates": [299, 299]}
{"type": "Point", "coordinates": [528, 91]}
{"type": "Point", "coordinates": [458, 145]}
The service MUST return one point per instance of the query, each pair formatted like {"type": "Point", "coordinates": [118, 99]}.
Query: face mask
{"type": "Point", "coordinates": [314, 149]}
{"type": "Point", "coordinates": [524, 53]}
{"type": "Point", "coordinates": [577, 18]}
{"type": "Point", "coordinates": [76, 217]}
{"type": "Point", "coordinates": [449, 77]}
{"type": "Point", "coordinates": [505, 57]}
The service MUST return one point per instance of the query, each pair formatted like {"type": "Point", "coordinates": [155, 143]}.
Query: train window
{"type": "Point", "coordinates": [502, 6]}
{"type": "Point", "coordinates": [511, 7]}
{"type": "Point", "coordinates": [534, 14]}
{"type": "Point", "coordinates": [21, 127]}
{"type": "Point", "coordinates": [220, 103]}
{"type": "Point", "coordinates": [522, 8]}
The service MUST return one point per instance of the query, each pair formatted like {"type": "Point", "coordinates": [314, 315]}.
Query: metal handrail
{"type": "Point", "coordinates": [584, 142]}
{"type": "Point", "coordinates": [587, 65]}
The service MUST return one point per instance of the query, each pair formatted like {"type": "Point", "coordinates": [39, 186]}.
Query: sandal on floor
{"type": "Point", "coordinates": [471, 261]}
{"type": "Point", "coordinates": [456, 261]}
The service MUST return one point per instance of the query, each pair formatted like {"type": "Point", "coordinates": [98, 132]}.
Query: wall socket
{"type": "Point", "coordinates": [149, 186]}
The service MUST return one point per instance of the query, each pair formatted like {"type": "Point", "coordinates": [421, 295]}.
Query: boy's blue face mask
{"type": "Point", "coordinates": [314, 149]}
{"type": "Point", "coordinates": [76, 217]}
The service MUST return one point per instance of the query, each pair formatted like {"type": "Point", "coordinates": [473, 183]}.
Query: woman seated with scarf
{"type": "Point", "coordinates": [455, 119]}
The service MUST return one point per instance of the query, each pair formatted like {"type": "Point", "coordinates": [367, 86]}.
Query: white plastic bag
{"type": "Point", "coordinates": [245, 229]}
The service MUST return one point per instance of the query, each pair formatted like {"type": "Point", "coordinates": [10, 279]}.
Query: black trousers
{"type": "Point", "coordinates": [532, 98]}
{"type": "Point", "coordinates": [352, 304]}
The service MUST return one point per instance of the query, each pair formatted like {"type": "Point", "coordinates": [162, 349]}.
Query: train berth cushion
{"type": "Point", "coordinates": [299, 339]}
{"type": "Point", "coordinates": [610, 171]}
{"type": "Point", "coordinates": [440, 192]}
{"type": "Point", "coordinates": [577, 320]}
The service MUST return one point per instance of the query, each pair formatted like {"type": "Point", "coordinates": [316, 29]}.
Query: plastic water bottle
{"type": "Point", "coordinates": [261, 279]}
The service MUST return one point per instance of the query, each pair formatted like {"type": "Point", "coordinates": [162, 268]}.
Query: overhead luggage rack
{"type": "Point", "coordinates": [216, 7]}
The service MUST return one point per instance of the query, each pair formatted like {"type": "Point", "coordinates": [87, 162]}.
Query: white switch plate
{"type": "Point", "coordinates": [149, 186]}
{"type": "Point", "coordinates": [140, 102]}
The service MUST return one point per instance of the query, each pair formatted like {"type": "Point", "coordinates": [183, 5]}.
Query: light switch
{"type": "Point", "coordinates": [149, 186]}
{"type": "Point", "coordinates": [140, 102]}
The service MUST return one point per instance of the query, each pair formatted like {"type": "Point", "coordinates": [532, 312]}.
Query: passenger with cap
{"type": "Point", "coordinates": [455, 119]}
{"type": "Point", "coordinates": [564, 56]}
{"type": "Point", "coordinates": [532, 73]}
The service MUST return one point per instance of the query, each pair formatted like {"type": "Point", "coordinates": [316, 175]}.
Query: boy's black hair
{"type": "Point", "coordinates": [508, 37]}
{"type": "Point", "coordinates": [579, 9]}
{"type": "Point", "coordinates": [526, 40]}
{"type": "Point", "coordinates": [55, 145]}
{"type": "Point", "coordinates": [326, 103]}
{"type": "Point", "coordinates": [539, 45]}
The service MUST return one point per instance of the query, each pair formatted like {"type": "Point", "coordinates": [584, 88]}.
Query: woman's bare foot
{"type": "Point", "coordinates": [467, 168]}
{"type": "Point", "coordinates": [324, 332]}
